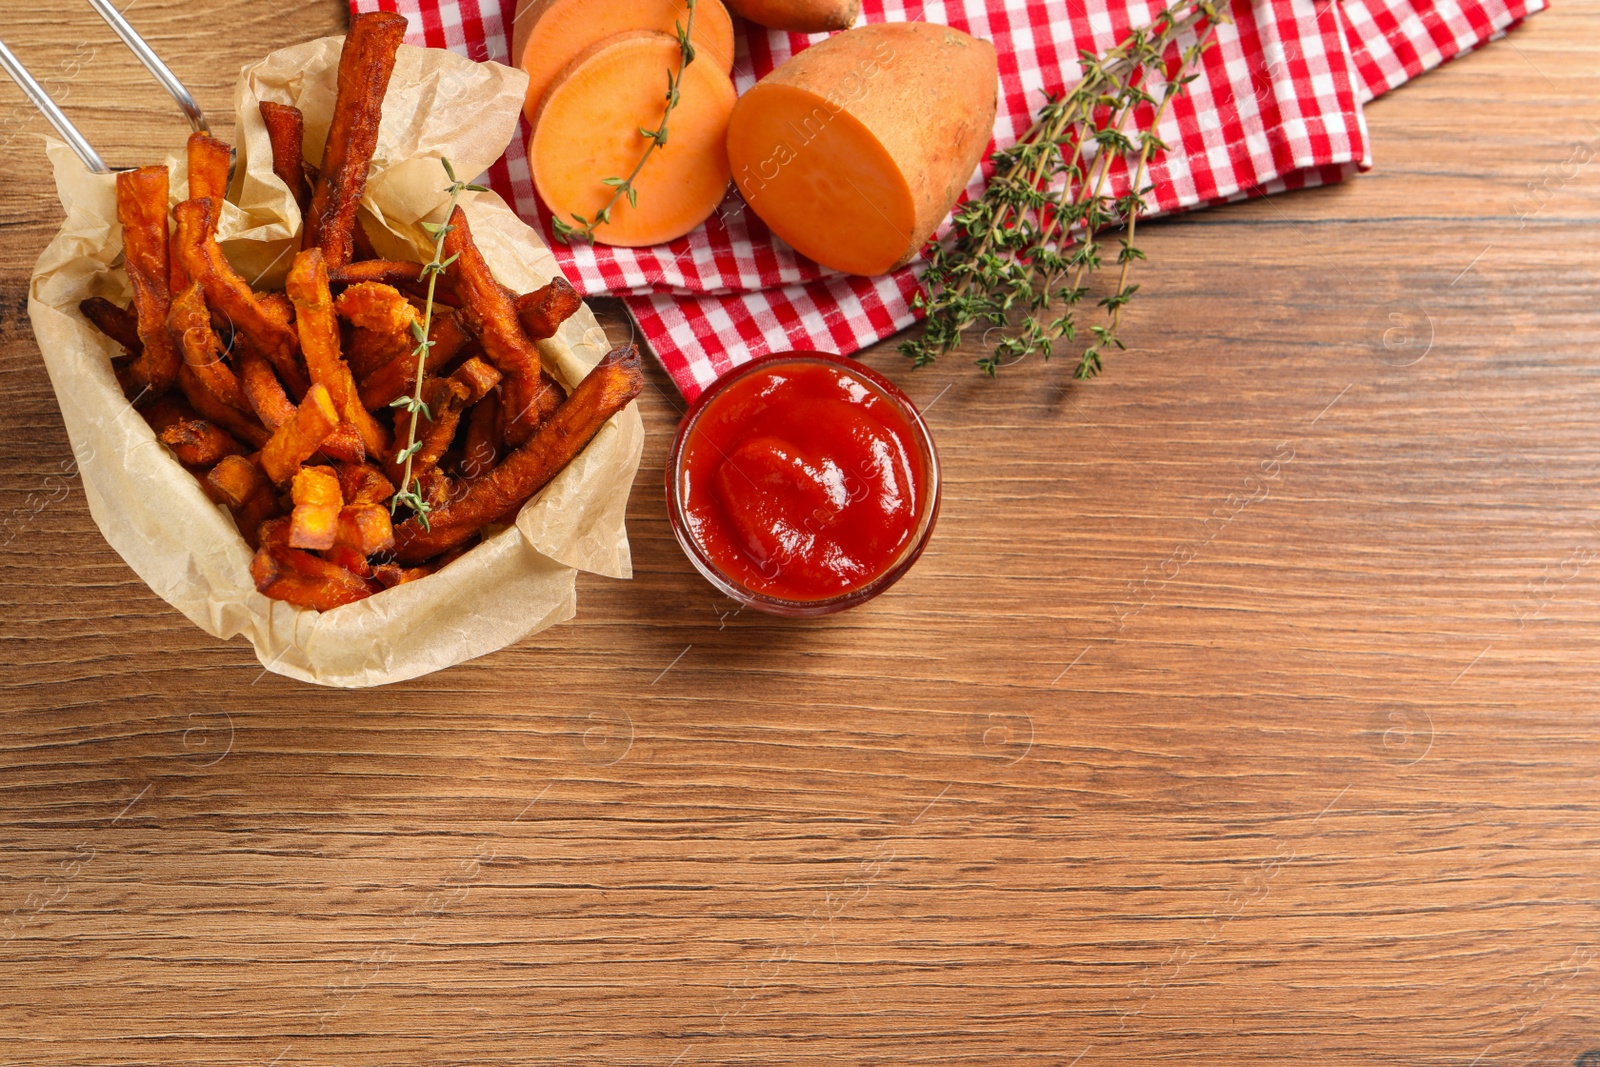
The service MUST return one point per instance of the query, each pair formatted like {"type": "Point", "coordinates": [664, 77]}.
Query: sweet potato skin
{"type": "Point", "coordinates": [911, 97]}
{"type": "Point", "coordinates": [800, 16]}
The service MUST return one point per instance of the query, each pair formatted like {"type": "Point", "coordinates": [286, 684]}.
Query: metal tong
{"type": "Point", "coordinates": [58, 118]}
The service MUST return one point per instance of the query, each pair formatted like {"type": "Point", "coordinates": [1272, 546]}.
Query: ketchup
{"type": "Point", "coordinates": [802, 480]}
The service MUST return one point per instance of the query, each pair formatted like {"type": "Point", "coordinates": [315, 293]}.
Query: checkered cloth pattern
{"type": "Point", "coordinates": [1277, 106]}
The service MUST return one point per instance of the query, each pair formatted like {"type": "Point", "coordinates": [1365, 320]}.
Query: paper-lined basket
{"type": "Point", "coordinates": [186, 548]}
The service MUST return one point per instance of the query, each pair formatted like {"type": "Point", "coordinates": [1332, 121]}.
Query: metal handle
{"type": "Point", "coordinates": [153, 63]}
{"type": "Point", "coordinates": [58, 118]}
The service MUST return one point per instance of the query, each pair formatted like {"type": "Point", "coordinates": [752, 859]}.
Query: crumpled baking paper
{"type": "Point", "coordinates": [187, 549]}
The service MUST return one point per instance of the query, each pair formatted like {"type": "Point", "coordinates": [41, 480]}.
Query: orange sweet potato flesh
{"type": "Point", "coordinates": [855, 150]}
{"type": "Point", "coordinates": [549, 34]}
{"type": "Point", "coordinates": [588, 128]}
{"type": "Point", "coordinates": [365, 66]}
{"type": "Point", "coordinates": [286, 129]}
{"type": "Point", "coordinates": [319, 343]}
{"type": "Point", "coordinates": [604, 391]}
{"type": "Point", "coordinates": [236, 479]}
{"type": "Point", "coordinates": [800, 16]}
{"type": "Point", "coordinates": [142, 210]}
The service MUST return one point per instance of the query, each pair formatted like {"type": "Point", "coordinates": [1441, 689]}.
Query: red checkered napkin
{"type": "Point", "coordinates": [1277, 106]}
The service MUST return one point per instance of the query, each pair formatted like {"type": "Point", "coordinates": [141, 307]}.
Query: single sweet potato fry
{"type": "Point", "coordinates": [286, 129]}
{"type": "Point", "coordinates": [489, 312]}
{"type": "Point", "coordinates": [199, 443]}
{"type": "Point", "coordinates": [396, 378]}
{"type": "Point", "coordinates": [190, 322]}
{"type": "Point", "coordinates": [119, 324]}
{"type": "Point", "coordinates": [382, 271]}
{"type": "Point", "coordinates": [210, 160]}
{"type": "Point", "coordinates": [297, 439]}
{"type": "Point", "coordinates": [363, 483]}
{"type": "Point", "coordinates": [230, 295]}
{"type": "Point", "coordinates": [482, 449]}
{"type": "Point", "coordinates": [366, 528]}
{"type": "Point", "coordinates": [314, 523]}
{"type": "Point", "coordinates": [542, 311]}
{"type": "Point", "coordinates": [261, 386]}
{"type": "Point", "coordinates": [299, 578]}
{"type": "Point", "coordinates": [606, 390]}
{"type": "Point", "coordinates": [235, 479]}
{"type": "Point", "coordinates": [142, 210]}
{"type": "Point", "coordinates": [365, 66]}
{"type": "Point", "coordinates": [319, 343]}
{"type": "Point", "coordinates": [344, 445]}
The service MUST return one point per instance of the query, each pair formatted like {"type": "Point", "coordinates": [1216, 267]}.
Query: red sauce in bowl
{"type": "Point", "coordinates": [803, 484]}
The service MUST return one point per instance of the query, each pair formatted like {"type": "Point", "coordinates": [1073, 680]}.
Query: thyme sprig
{"type": "Point", "coordinates": [1032, 240]}
{"type": "Point", "coordinates": [410, 493]}
{"type": "Point", "coordinates": [565, 232]}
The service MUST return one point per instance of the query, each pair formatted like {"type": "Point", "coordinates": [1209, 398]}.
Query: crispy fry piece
{"type": "Point", "coordinates": [286, 129]}
{"type": "Point", "coordinates": [235, 479]}
{"type": "Point", "coordinates": [314, 523]}
{"type": "Point", "coordinates": [390, 575]}
{"type": "Point", "coordinates": [542, 311]}
{"type": "Point", "coordinates": [119, 324]}
{"type": "Point", "coordinates": [362, 483]}
{"type": "Point", "coordinates": [297, 439]}
{"type": "Point", "coordinates": [546, 397]}
{"type": "Point", "coordinates": [199, 443]}
{"type": "Point", "coordinates": [489, 312]}
{"type": "Point", "coordinates": [366, 528]}
{"type": "Point", "coordinates": [142, 210]}
{"type": "Point", "coordinates": [230, 295]}
{"type": "Point", "coordinates": [606, 390]}
{"type": "Point", "coordinates": [383, 319]}
{"type": "Point", "coordinates": [319, 342]}
{"type": "Point", "coordinates": [299, 578]}
{"type": "Point", "coordinates": [344, 445]}
{"type": "Point", "coordinates": [380, 271]}
{"type": "Point", "coordinates": [190, 322]}
{"type": "Point", "coordinates": [365, 66]}
{"type": "Point", "coordinates": [209, 407]}
{"type": "Point", "coordinates": [397, 377]}
{"type": "Point", "coordinates": [262, 508]}
{"type": "Point", "coordinates": [261, 386]}
{"type": "Point", "coordinates": [209, 163]}
{"type": "Point", "coordinates": [482, 450]}
{"type": "Point", "coordinates": [166, 410]}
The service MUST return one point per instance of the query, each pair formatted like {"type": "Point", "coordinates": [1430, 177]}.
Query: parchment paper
{"type": "Point", "coordinates": [186, 548]}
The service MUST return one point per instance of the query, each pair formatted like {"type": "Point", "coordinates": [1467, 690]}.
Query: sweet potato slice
{"type": "Point", "coordinates": [366, 528]}
{"type": "Point", "coordinates": [142, 210]}
{"type": "Point", "coordinates": [365, 66]}
{"type": "Point", "coordinates": [800, 16]}
{"type": "Point", "coordinates": [314, 523]}
{"type": "Point", "coordinates": [547, 35]}
{"type": "Point", "coordinates": [286, 129]}
{"type": "Point", "coordinates": [119, 324]}
{"type": "Point", "coordinates": [319, 343]}
{"type": "Point", "coordinates": [588, 128]}
{"type": "Point", "coordinates": [363, 483]}
{"type": "Point", "coordinates": [198, 443]}
{"type": "Point", "coordinates": [344, 445]}
{"type": "Point", "coordinates": [859, 182]}
{"type": "Point", "coordinates": [606, 390]}
{"type": "Point", "coordinates": [230, 295]}
{"type": "Point", "coordinates": [489, 312]}
{"type": "Point", "coordinates": [297, 439]}
{"type": "Point", "coordinates": [299, 578]}
{"type": "Point", "coordinates": [381, 271]}
{"type": "Point", "coordinates": [542, 311]}
{"type": "Point", "coordinates": [210, 160]}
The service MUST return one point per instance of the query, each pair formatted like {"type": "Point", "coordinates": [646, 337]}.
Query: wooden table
{"type": "Point", "coordinates": [1243, 708]}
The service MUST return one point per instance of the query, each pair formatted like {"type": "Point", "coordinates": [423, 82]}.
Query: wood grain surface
{"type": "Point", "coordinates": [1244, 708]}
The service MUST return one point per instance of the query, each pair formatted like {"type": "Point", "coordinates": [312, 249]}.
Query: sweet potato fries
{"type": "Point", "coordinates": [283, 403]}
